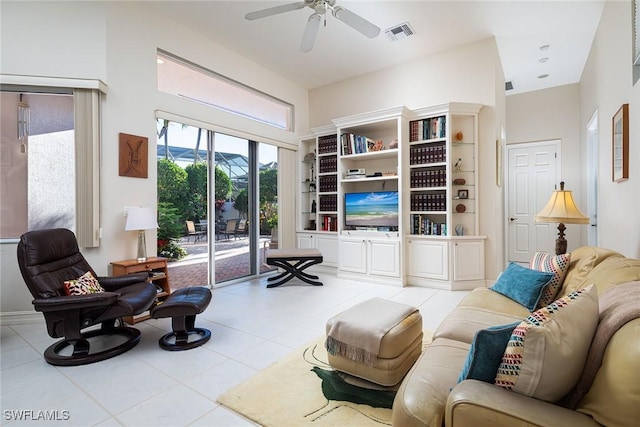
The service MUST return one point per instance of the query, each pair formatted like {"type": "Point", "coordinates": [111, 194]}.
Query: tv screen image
{"type": "Point", "coordinates": [372, 209]}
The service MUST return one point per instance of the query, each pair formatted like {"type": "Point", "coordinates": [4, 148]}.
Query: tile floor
{"type": "Point", "coordinates": [251, 328]}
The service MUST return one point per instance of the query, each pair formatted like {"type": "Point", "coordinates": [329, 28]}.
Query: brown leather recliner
{"type": "Point", "coordinates": [48, 258]}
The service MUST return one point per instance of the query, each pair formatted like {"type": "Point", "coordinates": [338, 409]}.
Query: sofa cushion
{"type": "Point", "coordinates": [486, 353]}
{"type": "Point", "coordinates": [547, 350]}
{"type": "Point", "coordinates": [613, 397]}
{"type": "Point", "coordinates": [613, 271]}
{"type": "Point", "coordinates": [522, 284]}
{"type": "Point", "coordinates": [463, 323]}
{"type": "Point", "coordinates": [556, 264]}
{"type": "Point", "coordinates": [485, 299]}
{"type": "Point", "coordinates": [583, 260]}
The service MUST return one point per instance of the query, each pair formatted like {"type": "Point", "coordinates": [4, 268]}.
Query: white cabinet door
{"type": "Point", "coordinates": [328, 246]}
{"type": "Point", "coordinates": [468, 260]}
{"type": "Point", "coordinates": [353, 255]}
{"type": "Point", "coordinates": [384, 257]}
{"type": "Point", "coordinates": [429, 259]}
{"type": "Point", "coordinates": [306, 241]}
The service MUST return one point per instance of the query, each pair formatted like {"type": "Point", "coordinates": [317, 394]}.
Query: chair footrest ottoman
{"type": "Point", "coordinates": [182, 306]}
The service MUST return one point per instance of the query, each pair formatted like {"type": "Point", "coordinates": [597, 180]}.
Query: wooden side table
{"type": "Point", "coordinates": [158, 275]}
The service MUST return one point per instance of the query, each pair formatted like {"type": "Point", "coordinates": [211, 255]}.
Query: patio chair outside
{"type": "Point", "coordinates": [191, 231]}
{"type": "Point", "coordinates": [231, 228]}
{"type": "Point", "coordinates": [241, 229]}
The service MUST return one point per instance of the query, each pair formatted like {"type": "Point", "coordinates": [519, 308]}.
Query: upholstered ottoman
{"type": "Point", "coordinates": [377, 340]}
{"type": "Point", "coordinates": [182, 306]}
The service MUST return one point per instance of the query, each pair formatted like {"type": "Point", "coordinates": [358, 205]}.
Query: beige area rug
{"type": "Point", "coordinates": [288, 393]}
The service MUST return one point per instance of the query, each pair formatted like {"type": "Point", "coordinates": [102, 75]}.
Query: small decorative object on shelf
{"type": "Point", "coordinates": [463, 194]}
{"type": "Point", "coordinates": [393, 144]}
{"type": "Point", "coordinates": [459, 181]}
{"type": "Point", "coordinates": [461, 208]}
{"type": "Point", "coordinates": [313, 206]}
{"type": "Point", "coordinates": [459, 136]}
{"type": "Point", "coordinates": [378, 146]}
{"type": "Point", "coordinates": [459, 230]}
{"type": "Point", "coordinates": [458, 165]}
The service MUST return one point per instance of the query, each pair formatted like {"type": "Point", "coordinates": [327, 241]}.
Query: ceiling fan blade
{"type": "Point", "coordinates": [310, 32]}
{"type": "Point", "coordinates": [274, 10]}
{"type": "Point", "coordinates": [356, 22]}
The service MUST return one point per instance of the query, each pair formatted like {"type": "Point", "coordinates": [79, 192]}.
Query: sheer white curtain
{"type": "Point", "coordinates": [287, 162]}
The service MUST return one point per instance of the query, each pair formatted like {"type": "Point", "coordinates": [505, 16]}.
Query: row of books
{"type": "Point", "coordinates": [431, 128]}
{"type": "Point", "coordinates": [329, 223]}
{"type": "Point", "coordinates": [356, 144]}
{"type": "Point", "coordinates": [328, 183]}
{"type": "Point", "coordinates": [421, 225]}
{"type": "Point", "coordinates": [327, 144]}
{"type": "Point", "coordinates": [328, 164]}
{"type": "Point", "coordinates": [328, 203]}
{"type": "Point", "coordinates": [428, 178]}
{"type": "Point", "coordinates": [433, 202]}
{"type": "Point", "coordinates": [427, 153]}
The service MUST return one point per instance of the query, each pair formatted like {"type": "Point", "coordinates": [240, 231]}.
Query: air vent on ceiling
{"type": "Point", "coordinates": [399, 32]}
{"type": "Point", "coordinates": [508, 86]}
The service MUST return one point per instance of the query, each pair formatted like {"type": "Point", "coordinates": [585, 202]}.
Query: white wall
{"type": "Point", "coordinates": [116, 42]}
{"type": "Point", "coordinates": [470, 73]}
{"type": "Point", "coordinates": [548, 115]}
{"type": "Point", "coordinates": [607, 84]}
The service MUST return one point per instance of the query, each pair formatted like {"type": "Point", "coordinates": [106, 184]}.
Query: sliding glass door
{"type": "Point", "coordinates": [222, 190]}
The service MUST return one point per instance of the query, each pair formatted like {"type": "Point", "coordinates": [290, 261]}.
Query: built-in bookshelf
{"type": "Point", "coordinates": [426, 161]}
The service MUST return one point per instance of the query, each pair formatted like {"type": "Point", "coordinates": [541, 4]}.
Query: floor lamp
{"type": "Point", "coordinates": [141, 219]}
{"type": "Point", "coordinates": [561, 208]}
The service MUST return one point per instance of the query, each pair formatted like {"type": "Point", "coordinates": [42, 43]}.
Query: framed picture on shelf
{"type": "Point", "coordinates": [463, 194]}
{"type": "Point", "coordinates": [620, 144]}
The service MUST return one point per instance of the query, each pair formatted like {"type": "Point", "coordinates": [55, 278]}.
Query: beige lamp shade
{"type": "Point", "coordinates": [561, 208]}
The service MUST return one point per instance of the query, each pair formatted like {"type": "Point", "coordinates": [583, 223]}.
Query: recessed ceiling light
{"type": "Point", "coordinates": [159, 61]}
{"type": "Point", "coordinates": [544, 47]}
{"type": "Point", "coordinates": [543, 76]}
{"type": "Point", "coordinates": [543, 60]}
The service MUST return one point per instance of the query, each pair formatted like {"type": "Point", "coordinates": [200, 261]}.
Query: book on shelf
{"type": "Point", "coordinates": [356, 144]}
{"type": "Point", "coordinates": [429, 128]}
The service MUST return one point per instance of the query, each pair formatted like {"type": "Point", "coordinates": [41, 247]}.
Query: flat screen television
{"type": "Point", "coordinates": [372, 209]}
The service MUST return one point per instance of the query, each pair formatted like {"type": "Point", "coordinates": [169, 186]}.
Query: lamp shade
{"type": "Point", "coordinates": [141, 218]}
{"type": "Point", "coordinates": [561, 208]}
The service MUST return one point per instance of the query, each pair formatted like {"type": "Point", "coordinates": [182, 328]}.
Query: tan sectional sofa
{"type": "Point", "coordinates": [430, 394]}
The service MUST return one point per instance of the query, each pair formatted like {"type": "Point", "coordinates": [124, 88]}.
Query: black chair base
{"type": "Point", "coordinates": [81, 348]}
{"type": "Point", "coordinates": [182, 339]}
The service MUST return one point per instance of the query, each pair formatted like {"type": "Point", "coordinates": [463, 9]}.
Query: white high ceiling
{"type": "Point", "coordinates": [520, 28]}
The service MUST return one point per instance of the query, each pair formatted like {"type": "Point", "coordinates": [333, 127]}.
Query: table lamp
{"type": "Point", "coordinates": [561, 209]}
{"type": "Point", "coordinates": [141, 219]}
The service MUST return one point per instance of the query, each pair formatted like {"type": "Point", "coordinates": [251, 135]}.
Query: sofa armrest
{"type": "Point", "coordinates": [478, 404]}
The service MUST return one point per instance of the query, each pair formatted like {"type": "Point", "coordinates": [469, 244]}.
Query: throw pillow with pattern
{"type": "Point", "coordinates": [547, 351]}
{"type": "Point", "coordinates": [83, 285]}
{"type": "Point", "coordinates": [549, 263]}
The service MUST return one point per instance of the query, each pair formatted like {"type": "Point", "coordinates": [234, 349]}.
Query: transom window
{"type": "Point", "coordinates": [187, 80]}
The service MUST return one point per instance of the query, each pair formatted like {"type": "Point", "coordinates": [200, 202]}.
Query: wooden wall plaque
{"type": "Point", "coordinates": [134, 153]}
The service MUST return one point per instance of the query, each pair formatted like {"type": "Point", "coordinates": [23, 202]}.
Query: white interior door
{"type": "Point", "coordinates": [533, 169]}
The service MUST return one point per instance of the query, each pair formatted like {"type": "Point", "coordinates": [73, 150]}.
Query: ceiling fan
{"type": "Point", "coordinates": [320, 8]}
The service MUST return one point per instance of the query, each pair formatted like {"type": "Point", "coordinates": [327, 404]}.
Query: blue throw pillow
{"type": "Point", "coordinates": [486, 353]}
{"type": "Point", "coordinates": [523, 285]}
